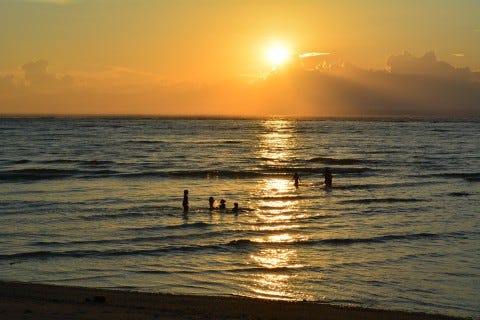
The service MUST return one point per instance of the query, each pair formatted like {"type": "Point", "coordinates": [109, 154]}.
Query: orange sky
{"type": "Point", "coordinates": [208, 57]}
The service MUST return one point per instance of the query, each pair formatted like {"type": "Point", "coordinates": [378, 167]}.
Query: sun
{"type": "Point", "coordinates": [277, 55]}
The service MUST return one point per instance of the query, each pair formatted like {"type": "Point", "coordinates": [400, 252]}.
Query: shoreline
{"type": "Point", "coordinates": [21, 300]}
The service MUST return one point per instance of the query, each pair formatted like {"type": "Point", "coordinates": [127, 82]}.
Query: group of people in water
{"type": "Point", "coordinates": [327, 173]}
{"type": "Point", "coordinates": [211, 204]}
{"type": "Point", "coordinates": [222, 206]}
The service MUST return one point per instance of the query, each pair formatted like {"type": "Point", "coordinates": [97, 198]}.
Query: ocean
{"type": "Point", "coordinates": [97, 202]}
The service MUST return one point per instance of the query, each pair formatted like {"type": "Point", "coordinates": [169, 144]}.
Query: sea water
{"type": "Point", "coordinates": [97, 202]}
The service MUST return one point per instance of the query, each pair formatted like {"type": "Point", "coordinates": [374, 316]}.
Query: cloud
{"type": "Point", "coordinates": [458, 54]}
{"type": "Point", "coordinates": [408, 86]}
{"type": "Point", "coordinates": [50, 1]}
{"type": "Point", "coordinates": [427, 65]}
{"type": "Point", "coordinates": [108, 76]}
{"type": "Point", "coordinates": [312, 54]}
{"type": "Point", "coordinates": [316, 60]}
{"type": "Point", "coordinates": [38, 77]}
{"type": "Point", "coordinates": [7, 83]}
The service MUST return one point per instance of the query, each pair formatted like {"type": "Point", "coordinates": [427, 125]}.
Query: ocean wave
{"type": "Point", "coordinates": [52, 173]}
{"type": "Point", "coordinates": [98, 174]}
{"type": "Point", "coordinates": [90, 172]}
{"type": "Point", "coordinates": [381, 239]}
{"type": "Point", "coordinates": [31, 254]}
{"type": "Point", "coordinates": [384, 185]}
{"type": "Point", "coordinates": [36, 174]}
{"type": "Point", "coordinates": [335, 161]}
{"type": "Point", "coordinates": [76, 161]}
{"type": "Point", "coordinates": [241, 243]}
{"type": "Point", "coordinates": [380, 200]}
{"type": "Point", "coordinates": [219, 247]}
{"type": "Point", "coordinates": [194, 174]}
{"type": "Point", "coordinates": [146, 141]}
{"type": "Point", "coordinates": [59, 161]}
{"type": "Point", "coordinates": [284, 198]}
{"type": "Point", "coordinates": [201, 234]}
{"type": "Point", "coordinates": [195, 225]}
{"type": "Point", "coordinates": [105, 253]}
{"type": "Point", "coordinates": [470, 177]}
{"type": "Point", "coordinates": [282, 170]}
{"type": "Point", "coordinates": [459, 194]}
{"type": "Point", "coordinates": [21, 161]}
{"type": "Point", "coordinates": [47, 254]}
{"type": "Point", "coordinates": [153, 271]}
{"type": "Point", "coordinates": [130, 212]}
{"type": "Point", "coordinates": [266, 269]}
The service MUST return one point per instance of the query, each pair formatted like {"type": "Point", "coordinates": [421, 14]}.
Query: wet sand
{"type": "Point", "coordinates": [35, 301]}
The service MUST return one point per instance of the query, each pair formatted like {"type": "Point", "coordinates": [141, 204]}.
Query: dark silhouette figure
{"type": "Point", "coordinates": [185, 201]}
{"type": "Point", "coordinates": [222, 204]}
{"type": "Point", "coordinates": [211, 201]}
{"type": "Point", "coordinates": [235, 207]}
{"type": "Point", "coordinates": [296, 179]}
{"type": "Point", "coordinates": [328, 177]}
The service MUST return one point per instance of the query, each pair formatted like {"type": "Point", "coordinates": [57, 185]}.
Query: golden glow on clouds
{"type": "Point", "coordinates": [313, 54]}
{"type": "Point", "coordinates": [216, 57]}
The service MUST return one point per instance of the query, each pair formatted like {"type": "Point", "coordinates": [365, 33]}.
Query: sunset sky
{"type": "Point", "coordinates": [195, 57]}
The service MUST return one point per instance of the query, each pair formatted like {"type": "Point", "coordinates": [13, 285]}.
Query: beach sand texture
{"type": "Point", "coordinates": [38, 301]}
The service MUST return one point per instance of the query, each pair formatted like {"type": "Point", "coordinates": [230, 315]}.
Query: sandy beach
{"type": "Point", "coordinates": [38, 301]}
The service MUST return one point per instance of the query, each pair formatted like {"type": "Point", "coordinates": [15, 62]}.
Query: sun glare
{"type": "Point", "coordinates": [277, 55]}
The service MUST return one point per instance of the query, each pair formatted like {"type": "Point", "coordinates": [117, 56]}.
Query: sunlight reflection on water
{"type": "Point", "coordinates": [277, 210]}
{"type": "Point", "coordinates": [277, 282]}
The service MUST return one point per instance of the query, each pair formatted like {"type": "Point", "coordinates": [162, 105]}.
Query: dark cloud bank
{"type": "Point", "coordinates": [409, 86]}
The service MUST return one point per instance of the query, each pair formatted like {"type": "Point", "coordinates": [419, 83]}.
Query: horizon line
{"type": "Point", "coordinates": [240, 117]}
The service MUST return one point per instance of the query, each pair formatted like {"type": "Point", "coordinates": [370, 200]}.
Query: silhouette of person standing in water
{"type": "Point", "coordinates": [211, 201]}
{"type": "Point", "coordinates": [185, 201]}
{"type": "Point", "coordinates": [328, 177]}
{"type": "Point", "coordinates": [296, 179]}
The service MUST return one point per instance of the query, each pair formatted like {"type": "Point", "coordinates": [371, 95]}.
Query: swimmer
{"type": "Point", "coordinates": [235, 207]}
{"type": "Point", "coordinates": [296, 179]}
{"type": "Point", "coordinates": [185, 201]}
{"type": "Point", "coordinates": [222, 204]}
{"type": "Point", "coordinates": [211, 201]}
{"type": "Point", "coordinates": [328, 177]}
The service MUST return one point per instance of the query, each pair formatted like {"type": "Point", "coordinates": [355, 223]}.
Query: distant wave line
{"type": "Point", "coordinates": [470, 177]}
{"type": "Point", "coordinates": [328, 160]}
{"type": "Point", "coordinates": [348, 241]}
{"type": "Point", "coordinates": [239, 244]}
{"type": "Point", "coordinates": [100, 253]}
{"type": "Point", "coordinates": [55, 173]}
{"type": "Point", "coordinates": [380, 200]}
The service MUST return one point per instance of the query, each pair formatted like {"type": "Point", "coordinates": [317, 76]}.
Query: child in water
{"type": "Point", "coordinates": [235, 207]}
{"type": "Point", "coordinates": [211, 201]}
{"type": "Point", "coordinates": [222, 204]}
